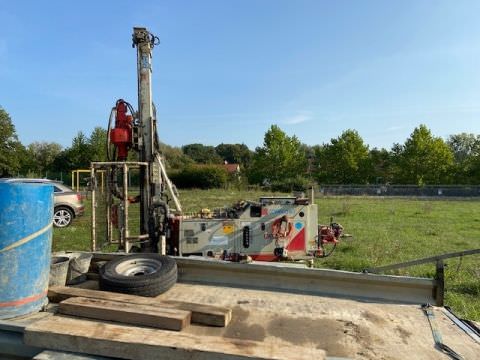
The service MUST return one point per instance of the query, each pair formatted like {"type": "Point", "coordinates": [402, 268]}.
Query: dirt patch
{"type": "Point", "coordinates": [361, 334]}
{"type": "Point", "coordinates": [326, 334]}
{"type": "Point", "coordinates": [403, 334]}
{"type": "Point", "coordinates": [374, 318]}
{"type": "Point", "coordinates": [337, 337]}
{"type": "Point", "coordinates": [240, 314]}
{"type": "Point", "coordinates": [240, 329]}
{"type": "Point", "coordinates": [245, 345]}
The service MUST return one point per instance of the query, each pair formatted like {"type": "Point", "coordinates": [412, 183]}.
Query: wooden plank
{"type": "Point", "coordinates": [201, 314]}
{"type": "Point", "coordinates": [135, 314]}
{"type": "Point", "coordinates": [128, 342]}
{"type": "Point", "coordinates": [61, 355]}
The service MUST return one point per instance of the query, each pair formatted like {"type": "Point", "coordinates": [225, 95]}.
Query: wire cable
{"type": "Point", "coordinates": [437, 337]}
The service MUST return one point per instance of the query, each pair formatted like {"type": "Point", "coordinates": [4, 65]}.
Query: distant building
{"type": "Point", "coordinates": [232, 169]}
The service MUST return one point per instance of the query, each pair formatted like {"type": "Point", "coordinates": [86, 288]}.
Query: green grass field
{"type": "Point", "coordinates": [385, 231]}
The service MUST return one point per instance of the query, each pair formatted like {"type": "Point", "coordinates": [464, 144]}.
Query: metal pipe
{"type": "Point", "coordinates": [125, 232]}
{"type": "Point", "coordinates": [94, 232]}
{"type": "Point", "coordinates": [170, 188]}
{"type": "Point", "coordinates": [311, 195]}
{"type": "Point", "coordinates": [108, 219]}
{"type": "Point", "coordinates": [141, 39]}
{"type": "Point", "coordinates": [423, 261]}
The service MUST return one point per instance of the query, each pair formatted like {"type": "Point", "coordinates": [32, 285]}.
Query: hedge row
{"type": "Point", "coordinates": [200, 177]}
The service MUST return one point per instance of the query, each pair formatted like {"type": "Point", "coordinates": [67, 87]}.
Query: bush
{"type": "Point", "coordinates": [297, 183]}
{"type": "Point", "coordinates": [200, 177]}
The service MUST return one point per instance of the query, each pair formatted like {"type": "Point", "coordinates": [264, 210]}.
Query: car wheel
{"type": "Point", "coordinates": [62, 217]}
{"type": "Point", "coordinates": [139, 274]}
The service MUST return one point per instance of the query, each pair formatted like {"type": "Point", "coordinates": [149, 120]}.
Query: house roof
{"type": "Point", "coordinates": [232, 168]}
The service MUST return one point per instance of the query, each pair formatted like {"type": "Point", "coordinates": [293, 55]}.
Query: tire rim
{"type": "Point", "coordinates": [138, 267]}
{"type": "Point", "coordinates": [62, 218]}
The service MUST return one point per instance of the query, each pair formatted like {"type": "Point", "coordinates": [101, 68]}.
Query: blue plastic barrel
{"type": "Point", "coordinates": [26, 213]}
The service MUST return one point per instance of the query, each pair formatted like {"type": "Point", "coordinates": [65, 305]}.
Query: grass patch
{"type": "Point", "coordinates": [385, 231]}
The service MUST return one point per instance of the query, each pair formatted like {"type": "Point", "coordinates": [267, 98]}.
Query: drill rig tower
{"type": "Point", "coordinates": [134, 134]}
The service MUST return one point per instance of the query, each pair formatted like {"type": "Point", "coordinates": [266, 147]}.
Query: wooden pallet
{"type": "Point", "coordinates": [200, 314]}
{"type": "Point", "coordinates": [127, 313]}
{"type": "Point", "coordinates": [129, 342]}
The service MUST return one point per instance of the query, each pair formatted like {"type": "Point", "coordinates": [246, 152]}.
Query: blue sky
{"type": "Point", "coordinates": [226, 70]}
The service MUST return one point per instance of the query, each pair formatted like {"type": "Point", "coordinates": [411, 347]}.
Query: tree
{"type": "Point", "coordinates": [379, 166]}
{"type": "Point", "coordinates": [11, 149]}
{"type": "Point", "coordinates": [473, 170]}
{"type": "Point", "coordinates": [235, 153]}
{"type": "Point", "coordinates": [41, 156]}
{"type": "Point", "coordinates": [98, 144]}
{"type": "Point", "coordinates": [174, 157]}
{"type": "Point", "coordinates": [344, 160]}
{"type": "Point", "coordinates": [80, 153]}
{"type": "Point", "coordinates": [464, 146]}
{"type": "Point", "coordinates": [77, 156]}
{"type": "Point", "coordinates": [466, 150]}
{"type": "Point", "coordinates": [202, 154]}
{"type": "Point", "coordinates": [423, 159]}
{"type": "Point", "coordinates": [309, 152]}
{"type": "Point", "coordinates": [280, 159]}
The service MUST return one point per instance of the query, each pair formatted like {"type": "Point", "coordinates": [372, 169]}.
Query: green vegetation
{"type": "Point", "coordinates": [200, 177]}
{"type": "Point", "coordinates": [280, 159]}
{"type": "Point", "coordinates": [388, 231]}
{"type": "Point", "coordinates": [344, 160]}
{"type": "Point", "coordinates": [11, 150]}
{"type": "Point", "coordinates": [385, 231]}
{"type": "Point", "coordinates": [423, 159]}
{"type": "Point", "coordinates": [282, 163]}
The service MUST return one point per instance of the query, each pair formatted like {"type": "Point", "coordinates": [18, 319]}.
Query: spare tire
{"type": "Point", "coordinates": [139, 274]}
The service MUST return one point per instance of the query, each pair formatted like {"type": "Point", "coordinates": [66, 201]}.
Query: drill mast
{"type": "Point", "coordinates": [136, 131]}
{"type": "Point", "coordinates": [151, 182]}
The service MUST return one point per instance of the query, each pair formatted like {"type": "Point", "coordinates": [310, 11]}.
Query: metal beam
{"type": "Point", "coordinates": [323, 282]}
{"type": "Point", "coordinates": [170, 187]}
{"type": "Point", "coordinates": [335, 283]}
{"type": "Point", "coordinates": [430, 259]}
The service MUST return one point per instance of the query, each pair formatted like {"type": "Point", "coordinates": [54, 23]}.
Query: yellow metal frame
{"type": "Point", "coordinates": [76, 178]}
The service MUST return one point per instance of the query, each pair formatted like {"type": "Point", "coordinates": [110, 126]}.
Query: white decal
{"type": "Point", "coordinates": [219, 240]}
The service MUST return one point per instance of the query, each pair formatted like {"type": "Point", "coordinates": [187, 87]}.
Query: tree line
{"type": "Point", "coordinates": [281, 163]}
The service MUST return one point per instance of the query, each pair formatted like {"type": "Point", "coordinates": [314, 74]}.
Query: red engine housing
{"type": "Point", "coordinates": [121, 135]}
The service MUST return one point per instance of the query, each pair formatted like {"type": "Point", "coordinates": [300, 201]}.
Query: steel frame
{"type": "Point", "coordinates": [321, 282]}
{"type": "Point", "coordinates": [125, 240]}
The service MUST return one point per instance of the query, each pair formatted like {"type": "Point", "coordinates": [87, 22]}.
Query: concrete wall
{"type": "Point", "coordinates": [400, 190]}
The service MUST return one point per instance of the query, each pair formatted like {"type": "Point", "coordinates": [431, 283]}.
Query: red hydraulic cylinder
{"type": "Point", "coordinates": [121, 135]}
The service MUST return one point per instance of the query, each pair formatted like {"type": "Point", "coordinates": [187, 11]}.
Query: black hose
{"type": "Point", "coordinates": [115, 189]}
{"type": "Point", "coordinates": [109, 127]}
{"type": "Point", "coordinates": [325, 254]}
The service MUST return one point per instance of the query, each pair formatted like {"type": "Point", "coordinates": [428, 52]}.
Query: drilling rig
{"type": "Point", "coordinates": [137, 188]}
{"type": "Point", "coordinates": [133, 135]}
